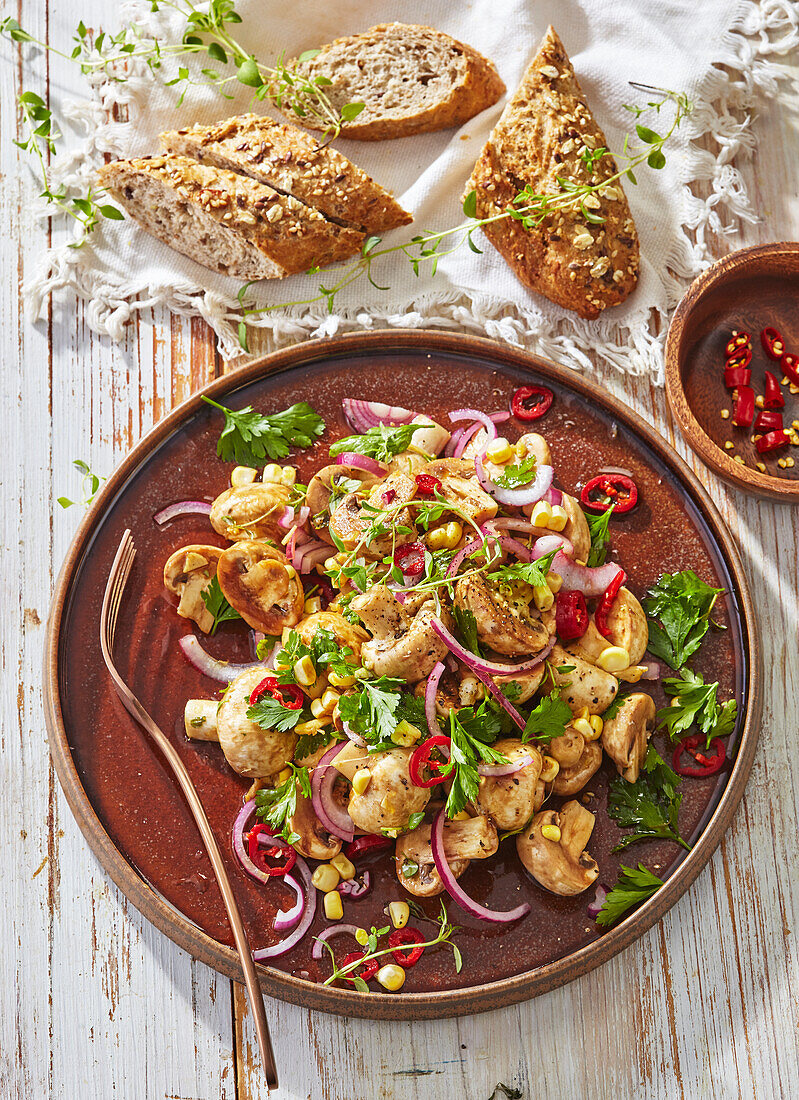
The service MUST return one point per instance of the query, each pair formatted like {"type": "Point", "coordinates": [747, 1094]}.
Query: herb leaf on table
{"type": "Point", "coordinates": [678, 608]}
{"type": "Point", "coordinates": [249, 437]}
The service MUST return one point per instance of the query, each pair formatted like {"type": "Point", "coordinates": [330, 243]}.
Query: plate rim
{"type": "Point", "coordinates": [751, 481]}
{"type": "Point", "coordinates": [472, 999]}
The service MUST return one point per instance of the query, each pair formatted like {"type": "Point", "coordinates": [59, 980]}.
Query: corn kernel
{"type": "Point", "coordinates": [795, 423]}
{"type": "Point", "coordinates": [632, 674]}
{"type": "Point", "coordinates": [344, 867]}
{"type": "Point", "coordinates": [781, 463]}
{"type": "Point", "coordinates": [330, 698]}
{"type": "Point", "coordinates": [331, 563]}
{"type": "Point", "coordinates": [541, 514]}
{"type": "Point", "coordinates": [554, 581]}
{"type": "Point", "coordinates": [499, 450]}
{"type": "Point", "coordinates": [304, 671]}
{"type": "Point", "coordinates": [284, 776]}
{"type": "Point", "coordinates": [361, 780]}
{"type": "Point", "coordinates": [551, 832]}
{"type": "Point", "coordinates": [309, 728]}
{"type": "Point", "coordinates": [583, 712]}
{"type": "Point", "coordinates": [334, 910]}
{"type": "Point", "coordinates": [405, 734]}
{"type": "Point", "coordinates": [789, 462]}
{"type": "Point", "coordinates": [759, 401]}
{"type": "Point", "coordinates": [325, 878]}
{"type": "Point", "coordinates": [583, 726]}
{"type": "Point", "coordinates": [739, 460]}
{"type": "Point", "coordinates": [318, 708]}
{"type": "Point", "coordinates": [312, 605]}
{"type": "Point", "coordinates": [391, 977]}
{"type": "Point", "coordinates": [550, 769]}
{"type": "Point", "coordinates": [559, 518]}
{"type": "Point", "coordinates": [445, 537]}
{"type": "Point", "coordinates": [242, 475]}
{"type": "Point", "coordinates": [461, 816]}
{"type": "Point", "coordinates": [543, 597]}
{"type": "Point", "coordinates": [597, 725]}
{"type": "Point", "coordinates": [272, 474]}
{"type": "Point", "coordinates": [340, 681]}
{"type": "Point", "coordinates": [728, 445]}
{"type": "Point", "coordinates": [614, 658]}
{"type": "Point", "coordinates": [761, 467]}
{"type": "Point", "coordinates": [288, 475]}
{"type": "Point", "coordinates": [400, 912]}
{"type": "Point", "coordinates": [362, 936]}
{"type": "Point", "coordinates": [725, 414]}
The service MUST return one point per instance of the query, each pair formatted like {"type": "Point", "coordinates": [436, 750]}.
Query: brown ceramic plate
{"type": "Point", "coordinates": [126, 801]}
{"type": "Point", "coordinates": [748, 290]}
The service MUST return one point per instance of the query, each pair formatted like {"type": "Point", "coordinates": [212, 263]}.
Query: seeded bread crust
{"type": "Point", "coordinates": [291, 161]}
{"type": "Point", "coordinates": [413, 80]}
{"type": "Point", "coordinates": [224, 220]}
{"type": "Point", "coordinates": [582, 266]}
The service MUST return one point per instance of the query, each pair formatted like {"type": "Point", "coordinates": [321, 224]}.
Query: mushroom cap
{"type": "Point", "coordinates": [627, 625]}
{"type": "Point", "coordinates": [584, 685]}
{"type": "Point", "coordinates": [409, 649]}
{"type": "Point", "coordinates": [535, 445]}
{"type": "Point", "coordinates": [463, 841]}
{"type": "Point", "coordinates": [187, 574]}
{"type": "Point", "coordinates": [568, 748]}
{"type": "Point", "coordinates": [391, 797]}
{"type": "Point", "coordinates": [500, 626]}
{"type": "Point", "coordinates": [250, 511]}
{"type": "Point", "coordinates": [320, 488]}
{"type": "Point", "coordinates": [625, 736]}
{"type": "Point", "coordinates": [250, 750]}
{"type": "Point", "coordinates": [508, 800]}
{"type": "Point", "coordinates": [529, 682]}
{"type": "Point", "coordinates": [576, 529]}
{"type": "Point", "coordinates": [256, 582]}
{"type": "Point", "coordinates": [572, 779]}
{"type": "Point", "coordinates": [315, 841]}
{"type": "Point", "coordinates": [354, 515]}
{"type": "Point", "coordinates": [563, 867]}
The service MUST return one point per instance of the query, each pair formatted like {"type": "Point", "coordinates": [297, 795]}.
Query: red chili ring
{"type": "Point", "coordinates": [773, 343]}
{"type": "Point", "coordinates": [736, 343]}
{"type": "Point", "coordinates": [705, 764]}
{"type": "Point", "coordinates": [420, 758]}
{"type": "Point", "coordinates": [540, 397]}
{"type": "Point", "coordinates": [288, 695]}
{"type": "Point", "coordinates": [617, 489]}
{"type": "Point", "coordinates": [369, 970]}
{"type": "Point", "coordinates": [571, 615]}
{"type": "Point", "coordinates": [428, 484]}
{"type": "Point", "coordinates": [363, 845]}
{"type": "Point", "coordinates": [406, 936]}
{"type": "Point", "coordinates": [772, 441]}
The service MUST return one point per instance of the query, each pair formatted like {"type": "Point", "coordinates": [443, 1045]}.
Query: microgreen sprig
{"type": "Point", "coordinates": [91, 483]}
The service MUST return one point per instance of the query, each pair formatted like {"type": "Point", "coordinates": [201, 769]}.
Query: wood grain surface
{"type": "Point", "coordinates": [94, 1003]}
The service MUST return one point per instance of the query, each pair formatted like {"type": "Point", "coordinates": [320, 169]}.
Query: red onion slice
{"type": "Point", "coordinates": [356, 888]}
{"type": "Point", "coordinates": [208, 665]}
{"type": "Point", "coordinates": [285, 919]}
{"type": "Point", "coordinates": [240, 827]}
{"type": "Point", "coordinates": [554, 497]}
{"type": "Point", "coordinates": [182, 508]}
{"type": "Point", "coordinates": [530, 494]}
{"type": "Point", "coordinates": [454, 440]}
{"type": "Point", "coordinates": [501, 698]}
{"type": "Point", "coordinates": [335, 819]}
{"type": "Point", "coordinates": [599, 900]}
{"type": "Point", "coordinates": [500, 417]}
{"type": "Point", "coordinates": [328, 933]}
{"type": "Point", "coordinates": [475, 414]}
{"type": "Point", "coordinates": [496, 770]}
{"type": "Point", "coordinates": [547, 543]}
{"type": "Point", "coordinates": [363, 415]}
{"type": "Point", "coordinates": [510, 523]}
{"type": "Point", "coordinates": [479, 664]}
{"type": "Point", "coordinates": [591, 582]}
{"type": "Point", "coordinates": [360, 462]}
{"type": "Point", "coordinates": [353, 736]}
{"type": "Point", "coordinates": [305, 922]}
{"type": "Point", "coordinates": [430, 699]}
{"type": "Point", "coordinates": [311, 553]}
{"type": "Point", "coordinates": [456, 892]}
{"type": "Point", "coordinates": [652, 671]}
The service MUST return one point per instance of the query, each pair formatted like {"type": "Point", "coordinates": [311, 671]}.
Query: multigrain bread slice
{"type": "Point", "coordinates": [292, 162]}
{"type": "Point", "coordinates": [224, 220]}
{"type": "Point", "coordinates": [412, 80]}
{"type": "Point", "coordinates": [543, 130]}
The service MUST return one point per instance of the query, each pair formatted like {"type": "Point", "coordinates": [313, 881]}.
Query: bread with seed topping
{"type": "Point", "coordinates": [576, 261]}
{"type": "Point", "coordinates": [226, 221]}
{"type": "Point", "coordinates": [291, 161]}
{"type": "Point", "coordinates": [412, 80]}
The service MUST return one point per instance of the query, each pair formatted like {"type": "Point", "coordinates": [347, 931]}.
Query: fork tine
{"type": "Point", "coordinates": [125, 566]}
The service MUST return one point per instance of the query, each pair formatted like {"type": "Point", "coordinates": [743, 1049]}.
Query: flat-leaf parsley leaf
{"type": "Point", "coordinates": [249, 437]}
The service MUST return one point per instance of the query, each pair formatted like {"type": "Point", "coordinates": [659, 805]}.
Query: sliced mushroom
{"type": "Point", "coordinates": [329, 482]}
{"type": "Point", "coordinates": [257, 582]}
{"type": "Point", "coordinates": [430, 439]}
{"type": "Point", "coordinates": [463, 841]}
{"type": "Point", "coordinates": [508, 800]}
{"type": "Point", "coordinates": [250, 750]}
{"type": "Point", "coordinates": [346, 634]}
{"type": "Point", "coordinates": [511, 628]}
{"type": "Point", "coordinates": [407, 462]}
{"type": "Point", "coordinates": [561, 866]}
{"type": "Point", "coordinates": [571, 780]}
{"type": "Point", "coordinates": [390, 797]}
{"type": "Point", "coordinates": [401, 646]}
{"type": "Point", "coordinates": [568, 748]}
{"type": "Point", "coordinates": [576, 529]}
{"type": "Point", "coordinates": [470, 498]}
{"type": "Point", "coordinates": [315, 841]}
{"type": "Point", "coordinates": [187, 574]}
{"type": "Point", "coordinates": [528, 683]}
{"type": "Point", "coordinates": [582, 684]}
{"type": "Point", "coordinates": [625, 737]}
{"type": "Point", "coordinates": [627, 626]}
{"type": "Point", "coordinates": [250, 511]}
{"type": "Point", "coordinates": [531, 443]}
{"type": "Point", "coordinates": [199, 719]}
{"type": "Point", "coordinates": [352, 518]}
{"type": "Point", "coordinates": [451, 467]}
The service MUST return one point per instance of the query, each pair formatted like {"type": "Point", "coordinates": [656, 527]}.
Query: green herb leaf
{"type": "Point", "coordinates": [520, 474]}
{"type": "Point", "coordinates": [470, 205]}
{"type": "Point", "coordinates": [249, 73]}
{"type": "Point", "coordinates": [271, 715]}
{"type": "Point", "coordinates": [696, 702]}
{"type": "Point", "coordinates": [275, 806]}
{"type": "Point", "coordinates": [217, 605]}
{"type": "Point", "coordinates": [471, 733]}
{"type": "Point", "coordinates": [549, 719]}
{"type": "Point", "coordinates": [409, 868]}
{"type": "Point", "coordinates": [682, 603]}
{"type": "Point", "coordinates": [308, 743]}
{"type": "Point", "coordinates": [249, 437]}
{"type": "Point", "coordinates": [598, 526]}
{"type": "Point", "coordinates": [380, 443]}
{"type": "Point", "coordinates": [467, 628]}
{"type": "Point", "coordinates": [650, 805]}
{"type": "Point", "coordinates": [350, 111]}
{"type": "Point", "coordinates": [533, 573]}
{"type": "Point", "coordinates": [633, 886]}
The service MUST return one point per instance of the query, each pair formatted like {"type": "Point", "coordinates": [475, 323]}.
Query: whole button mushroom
{"type": "Point", "coordinates": [463, 841]}
{"type": "Point", "coordinates": [257, 582]}
{"type": "Point", "coordinates": [573, 778]}
{"type": "Point", "coordinates": [250, 511]}
{"type": "Point", "coordinates": [625, 736]}
{"type": "Point", "coordinates": [187, 574]}
{"type": "Point", "coordinates": [249, 749]}
{"type": "Point", "coordinates": [560, 865]}
{"type": "Point", "coordinates": [329, 482]}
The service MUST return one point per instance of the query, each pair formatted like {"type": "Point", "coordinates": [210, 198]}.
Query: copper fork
{"type": "Point", "coordinates": [114, 591]}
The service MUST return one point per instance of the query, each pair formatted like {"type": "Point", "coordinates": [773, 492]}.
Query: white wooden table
{"type": "Point", "coordinates": [94, 1003]}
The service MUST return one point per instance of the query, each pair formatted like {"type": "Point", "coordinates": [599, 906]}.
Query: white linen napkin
{"type": "Point", "coordinates": [678, 44]}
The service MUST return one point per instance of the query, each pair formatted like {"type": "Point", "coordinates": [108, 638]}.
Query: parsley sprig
{"type": "Point", "coordinates": [276, 805]}
{"type": "Point", "coordinates": [270, 714]}
{"type": "Point", "coordinates": [678, 607]}
{"type": "Point", "coordinates": [375, 708]}
{"type": "Point", "coordinates": [696, 702]}
{"type": "Point", "coordinates": [381, 442]}
{"type": "Point", "coordinates": [217, 605]}
{"type": "Point", "coordinates": [521, 473]}
{"type": "Point", "coordinates": [633, 886]}
{"type": "Point", "coordinates": [249, 437]}
{"type": "Point", "coordinates": [472, 732]}
{"type": "Point", "coordinates": [598, 527]}
{"type": "Point", "coordinates": [548, 719]}
{"type": "Point", "coordinates": [324, 650]}
{"type": "Point", "coordinates": [650, 805]}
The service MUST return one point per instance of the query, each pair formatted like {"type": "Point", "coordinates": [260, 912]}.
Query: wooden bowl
{"type": "Point", "coordinates": [131, 811]}
{"type": "Point", "coordinates": [750, 290]}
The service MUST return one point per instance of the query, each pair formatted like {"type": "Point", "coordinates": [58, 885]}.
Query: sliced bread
{"type": "Point", "coordinates": [291, 161]}
{"type": "Point", "coordinates": [226, 221]}
{"type": "Point", "coordinates": [579, 264]}
{"type": "Point", "coordinates": [412, 80]}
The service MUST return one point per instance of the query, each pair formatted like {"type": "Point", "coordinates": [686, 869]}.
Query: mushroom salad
{"type": "Point", "coordinates": [444, 657]}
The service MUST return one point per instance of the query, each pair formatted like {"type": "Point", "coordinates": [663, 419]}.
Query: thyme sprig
{"type": "Point", "coordinates": [528, 207]}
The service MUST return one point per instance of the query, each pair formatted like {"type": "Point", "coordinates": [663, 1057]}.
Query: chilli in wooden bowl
{"type": "Point", "coordinates": [462, 680]}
